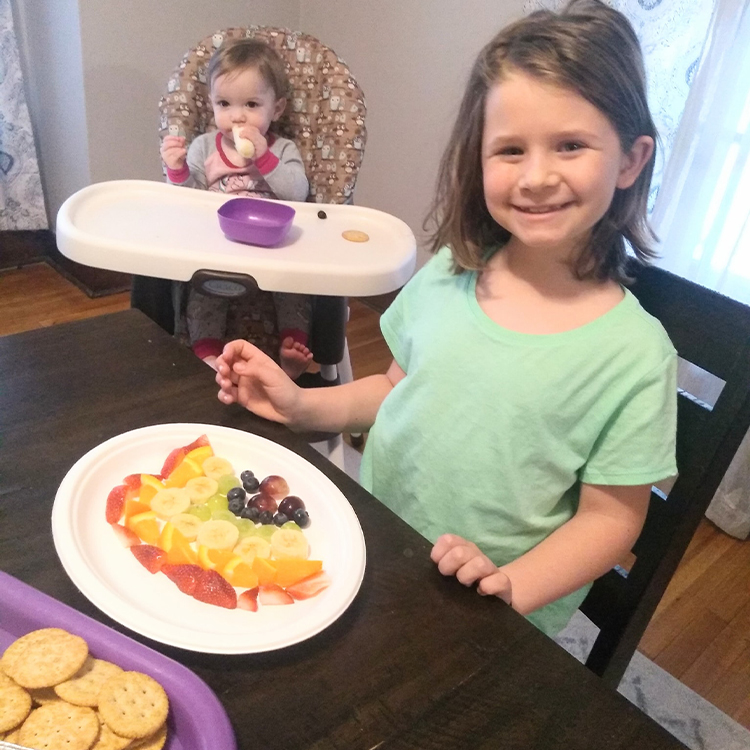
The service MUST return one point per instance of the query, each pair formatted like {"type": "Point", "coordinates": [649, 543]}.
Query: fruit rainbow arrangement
{"type": "Point", "coordinates": [214, 534]}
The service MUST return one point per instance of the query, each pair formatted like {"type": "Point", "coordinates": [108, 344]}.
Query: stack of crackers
{"type": "Point", "coordinates": [55, 695]}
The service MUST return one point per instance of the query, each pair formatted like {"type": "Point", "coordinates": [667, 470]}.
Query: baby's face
{"type": "Point", "coordinates": [244, 98]}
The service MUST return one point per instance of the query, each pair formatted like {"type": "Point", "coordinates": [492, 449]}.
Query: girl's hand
{"type": "Point", "coordinates": [258, 139]}
{"type": "Point", "coordinates": [173, 152]}
{"type": "Point", "coordinates": [252, 379]}
{"type": "Point", "coordinates": [457, 557]}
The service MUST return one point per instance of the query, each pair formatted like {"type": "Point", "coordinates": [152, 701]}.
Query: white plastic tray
{"type": "Point", "coordinates": [154, 229]}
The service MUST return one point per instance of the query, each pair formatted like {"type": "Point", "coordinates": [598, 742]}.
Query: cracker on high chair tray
{"type": "Point", "coordinates": [133, 705]}
{"type": "Point", "coordinates": [44, 658]}
{"type": "Point", "coordinates": [354, 235]}
{"type": "Point", "coordinates": [60, 725]}
{"type": "Point", "coordinates": [15, 704]}
{"type": "Point", "coordinates": [83, 688]}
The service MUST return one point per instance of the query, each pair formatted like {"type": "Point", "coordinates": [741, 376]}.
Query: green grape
{"type": "Point", "coordinates": [200, 511]}
{"type": "Point", "coordinates": [223, 515]}
{"type": "Point", "coordinates": [217, 502]}
{"type": "Point", "coordinates": [265, 531]}
{"type": "Point", "coordinates": [227, 482]}
{"type": "Point", "coordinates": [291, 525]}
{"type": "Point", "coordinates": [245, 525]}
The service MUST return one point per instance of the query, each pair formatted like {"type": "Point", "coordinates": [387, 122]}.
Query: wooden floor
{"type": "Point", "coordinates": [701, 631]}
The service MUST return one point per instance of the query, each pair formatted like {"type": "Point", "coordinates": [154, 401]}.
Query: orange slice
{"type": "Point", "coordinates": [213, 559]}
{"type": "Point", "coordinates": [239, 573]}
{"type": "Point", "coordinates": [291, 571]}
{"type": "Point", "coordinates": [180, 551]}
{"type": "Point", "coordinates": [199, 455]}
{"type": "Point", "coordinates": [135, 507]}
{"type": "Point", "coordinates": [187, 469]}
{"type": "Point", "coordinates": [150, 485]}
{"type": "Point", "coordinates": [265, 570]}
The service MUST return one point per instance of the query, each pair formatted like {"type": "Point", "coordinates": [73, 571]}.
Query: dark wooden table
{"type": "Point", "coordinates": [417, 661]}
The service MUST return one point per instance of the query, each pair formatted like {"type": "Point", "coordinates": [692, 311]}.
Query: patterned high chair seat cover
{"type": "Point", "coordinates": [325, 117]}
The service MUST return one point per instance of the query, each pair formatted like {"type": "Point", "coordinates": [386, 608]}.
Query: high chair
{"type": "Point", "coordinates": [163, 233]}
{"type": "Point", "coordinates": [326, 119]}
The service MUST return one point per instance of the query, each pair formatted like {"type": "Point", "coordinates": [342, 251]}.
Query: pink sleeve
{"type": "Point", "coordinates": [267, 163]}
{"type": "Point", "coordinates": [178, 175]}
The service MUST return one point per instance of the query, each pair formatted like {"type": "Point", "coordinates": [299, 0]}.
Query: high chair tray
{"type": "Point", "coordinates": [155, 229]}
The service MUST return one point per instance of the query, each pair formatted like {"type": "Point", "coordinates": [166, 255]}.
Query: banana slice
{"type": "Point", "coordinates": [187, 525]}
{"type": "Point", "coordinates": [251, 547]}
{"type": "Point", "coordinates": [200, 489]}
{"type": "Point", "coordinates": [216, 467]}
{"type": "Point", "coordinates": [168, 502]}
{"type": "Point", "coordinates": [218, 535]}
{"type": "Point", "coordinates": [245, 147]}
{"type": "Point", "coordinates": [289, 543]}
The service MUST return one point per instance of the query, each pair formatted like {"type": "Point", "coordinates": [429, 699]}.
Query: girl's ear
{"type": "Point", "coordinates": [634, 160]}
{"type": "Point", "coordinates": [279, 108]}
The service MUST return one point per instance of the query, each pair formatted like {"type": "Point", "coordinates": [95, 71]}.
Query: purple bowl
{"type": "Point", "coordinates": [255, 221]}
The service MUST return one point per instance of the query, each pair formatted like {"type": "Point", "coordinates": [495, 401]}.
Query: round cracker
{"type": "Point", "coordinates": [45, 657]}
{"type": "Point", "coordinates": [15, 704]}
{"type": "Point", "coordinates": [133, 705]}
{"type": "Point", "coordinates": [83, 688]}
{"type": "Point", "coordinates": [354, 235]}
{"type": "Point", "coordinates": [60, 726]}
{"type": "Point", "coordinates": [155, 742]}
{"type": "Point", "coordinates": [108, 740]}
{"type": "Point", "coordinates": [42, 696]}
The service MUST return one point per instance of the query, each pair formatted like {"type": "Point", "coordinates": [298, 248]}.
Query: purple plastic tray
{"type": "Point", "coordinates": [197, 721]}
{"type": "Point", "coordinates": [255, 221]}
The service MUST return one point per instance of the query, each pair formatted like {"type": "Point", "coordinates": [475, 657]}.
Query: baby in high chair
{"type": "Point", "coordinates": [531, 401]}
{"type": "Point", "coordinates": [248, 90]}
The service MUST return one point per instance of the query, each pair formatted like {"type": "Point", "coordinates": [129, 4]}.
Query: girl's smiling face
{"type": "Point", "coordinates": [551, 162]}
{"type": "Point", "coordinates": [244, 98]}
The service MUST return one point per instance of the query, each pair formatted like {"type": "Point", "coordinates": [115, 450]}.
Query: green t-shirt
{"type": "Point", "coordinates": [492, 431]}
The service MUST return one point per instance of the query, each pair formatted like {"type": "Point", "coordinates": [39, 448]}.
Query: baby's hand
{"type": "Point", "coordinates": [252, 134]}
{"type": "Point", "coordinates": [457, 557]}
{"type": "Point", "coordinates": [173, 152]}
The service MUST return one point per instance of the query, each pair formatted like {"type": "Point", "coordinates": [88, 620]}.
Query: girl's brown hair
{"type": "Point", "coordinates": [236, 55]}
{"type": "Point", "coordinates": [592, 50]}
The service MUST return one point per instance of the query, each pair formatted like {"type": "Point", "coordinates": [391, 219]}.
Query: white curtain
{"type": "Point", "coordinates": [21, 199]}
{"type": "Point", "coordinates": [702, 213]}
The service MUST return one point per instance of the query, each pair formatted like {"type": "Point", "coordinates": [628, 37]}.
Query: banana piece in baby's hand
{"type": "Point", "coordinates": [244, 146]}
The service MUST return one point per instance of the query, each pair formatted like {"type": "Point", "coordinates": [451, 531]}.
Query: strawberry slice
{"type": "Point", "coordinates": [126, 537]}
{"type": "Point", "coordinates": [211, 588]}
{"type": "Point", "coordinates": [133, 481]}
{"type": "Point", "coordinates": [184, 575]}
{"type": "Point", "coordinates": [248, 600]}
{"type": "Point", "coordinates": [172, 460]}
{"type": "Point", "coordinates": [152, 558]}
{"type": "Point", "coordinates": [273, 594]}
{"type": "Point", "coordinates": [310, 586]}
{"type": "Point", "coordinates": [115, 503]}
{"type": "Point", "coordinates": [199, 443]}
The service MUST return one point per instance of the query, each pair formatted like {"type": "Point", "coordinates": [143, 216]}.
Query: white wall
{"type": "Point", "coordinates": [412, 58]}
{"type": "Point", "coordinates": [96, 71]}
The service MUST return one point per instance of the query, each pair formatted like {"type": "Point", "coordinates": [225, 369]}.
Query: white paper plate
{"type": "Point", "coordinates": [110, 576]}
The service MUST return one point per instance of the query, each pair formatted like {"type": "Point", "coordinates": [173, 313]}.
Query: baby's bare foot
{"type": "Point", "coordinates": [294, 357]}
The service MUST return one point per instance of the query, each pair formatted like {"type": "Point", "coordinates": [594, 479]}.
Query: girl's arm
{"type": "Point", "coordinates": [599, 536]}
{"type": "Point", "coordinates": [192, 173]}
{"type": "Point", "coordinates": [251, 378]}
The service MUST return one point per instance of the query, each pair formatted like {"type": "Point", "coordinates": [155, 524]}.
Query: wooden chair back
{"type": "Point", "coordinates": [711, 332]}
